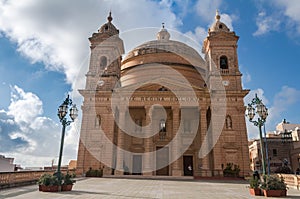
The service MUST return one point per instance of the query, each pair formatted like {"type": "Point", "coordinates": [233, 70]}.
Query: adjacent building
{"type": "Point", "coordinates": [163, 109]}
{"type": "Point", "coordinates": [7, 164]}
{"type": "Point", "coordinates": [283, 148]}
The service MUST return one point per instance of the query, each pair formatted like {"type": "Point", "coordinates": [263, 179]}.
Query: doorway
{"type": "Point", "coordinates": [137, 165]}
{"type": "Point", "coordinates": [188, 169]}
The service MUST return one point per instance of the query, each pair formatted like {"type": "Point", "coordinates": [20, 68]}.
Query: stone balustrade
{"type": "Point", "coordinates": [292, 180]}
{"type": "Point", "coordinates": [18, 178]}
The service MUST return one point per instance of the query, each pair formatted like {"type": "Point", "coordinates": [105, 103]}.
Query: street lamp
{"type": "Point", "coordinates": [257, 107]}
{"type": "Point", "coordinates": [62, 113]}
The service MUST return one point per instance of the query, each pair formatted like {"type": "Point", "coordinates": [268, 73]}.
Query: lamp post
{"type": "Point", "coordinates": [62, 113]}
{"type": "Point", "coordinates": [257, 107]}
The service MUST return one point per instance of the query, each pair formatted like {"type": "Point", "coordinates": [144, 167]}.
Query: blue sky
{"type": "Point", "coordinates": [44, 54]}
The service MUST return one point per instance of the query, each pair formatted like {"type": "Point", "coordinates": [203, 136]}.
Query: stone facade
{"type": "Point", "coordinates": [163, 110]}
{"type": "Point", "coordinates": [283, 148]}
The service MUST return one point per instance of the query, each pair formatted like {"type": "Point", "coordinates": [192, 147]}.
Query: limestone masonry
{"type": "Point", "coordinates": [162, 109]}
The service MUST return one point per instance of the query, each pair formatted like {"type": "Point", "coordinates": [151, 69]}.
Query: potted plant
{"type": "Point", "coordinates": [68, 182]}
{"type": "Point", "coordinates": [273, 186]}
{"type": "Point", "coordinates": [254, 186]}
{"type": "Point", "coordinates": [48, 183]}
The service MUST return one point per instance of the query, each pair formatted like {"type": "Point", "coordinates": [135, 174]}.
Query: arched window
{"type": "Point", "coordinates": [162, 129]}
{"type": "Point", "coordinates": [138, 126]}
{"type": "Point", "coordinates": [103, 62]}
{"type": "Point", "coordinates": [208, 117]}
{"type": "Point", "coordinates": [228, 122]}
{"type": "Point", "coordinates": [97, 121]}
{"type": "Point", "coordinates": [223, 62]}
{"type": "Point", "coordinates": [162, 125]}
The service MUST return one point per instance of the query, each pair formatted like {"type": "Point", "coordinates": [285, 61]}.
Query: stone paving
{"type": "Point", "coordinates": [143, 189]}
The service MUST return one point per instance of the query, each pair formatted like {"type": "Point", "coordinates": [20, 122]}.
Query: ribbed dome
{"type": "Point", "coordinates": [156, 51]}
{"type": "Point", "coordinates": [151, 59]}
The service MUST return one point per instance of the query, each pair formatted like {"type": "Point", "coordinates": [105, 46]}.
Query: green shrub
{"type": "Point", "coordinates": [273, 183]}
{"type": "Point", "coordinates": [231, 170]}
{"type": "Point", "coordinates": [67, 179]}
{"type": "Point", "coordinates": [94, 173]}
{"type": "Point", "coordinates": [254, 182]}
{"type": "Point", "coordinates": [48, 180]}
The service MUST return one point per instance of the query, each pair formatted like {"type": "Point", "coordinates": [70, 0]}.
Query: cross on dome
{"type": "Point", "coordinates": [218, 17]}
{"type": "Point", "coordinates": [109, 18]}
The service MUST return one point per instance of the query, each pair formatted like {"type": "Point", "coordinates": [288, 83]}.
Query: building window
{"type": "Point", "coordinates": [162, 125]}
{"type": "Point", "coordinates": [162, 129]}
{"type": "Point", "coordinates": [228, 122]}
{"type": "Point", "coordinates": [187, 126]}
{"type": "Point", "coordinates": [138, 126]}
{"type": "Point", "coordinates": [275, 152]}
{"type": "Point", "coordinates": [162, 89]}
{"type": "Point", "coordinates": [97, 121]}
{"type": "Point", "coordinates": [103, 62]}
{"type": "Point", "coordinates": [223, 62]}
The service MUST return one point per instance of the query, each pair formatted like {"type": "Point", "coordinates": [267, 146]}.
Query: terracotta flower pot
{"type": "Point", "coordinates": [273, 193]}
{"type": "Point", "coordinates": [283, 192]}
{"type": "Point", "coordinates": [44, 188]}
{"type": "Point", "coordinates": [255, 191]}
{"type": "Point", "coordinates": [67, 187]}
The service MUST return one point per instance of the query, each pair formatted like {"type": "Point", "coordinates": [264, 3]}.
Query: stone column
{"type": "Point", "coordinates": [120, 143]}
{"type": "Point", "coordinates": [148, 166]}
{"type": "Point", "coordinates": [205, 160]}
{"type": "Point", "coordinates": [176, 146]}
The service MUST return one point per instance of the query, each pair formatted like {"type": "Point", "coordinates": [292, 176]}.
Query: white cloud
{"type": "Point", "coordinates": [266, 24]}
{"type": "Point", "coordinates": [206, 9]}
{"type": "Point", "coordinates": [24, 107]}
{"type": "Point", "coordinates": [227, 20]}
{"type": "Point", "coordinates": [290, 9]}
{"type": "Point", "coordinates": [282, 102]}
{"type": "Point", "coordinates": [56, 32]}
{"type": "Point", "coordinates": [246, 78]}
{"type": "Point", "coordinates": [31, 134]}
{"type": "Point", "coordinates": [198, 35]}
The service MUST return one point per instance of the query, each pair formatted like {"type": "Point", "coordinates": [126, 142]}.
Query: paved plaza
{"type": "Point", "coordinates": [143, 189]}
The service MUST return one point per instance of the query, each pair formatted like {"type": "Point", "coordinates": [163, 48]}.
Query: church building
{"type": "Point", "coordinates": [161, 109]}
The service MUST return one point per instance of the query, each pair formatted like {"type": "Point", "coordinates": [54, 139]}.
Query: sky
{"type": "Point", "coordinates": [44, 55]}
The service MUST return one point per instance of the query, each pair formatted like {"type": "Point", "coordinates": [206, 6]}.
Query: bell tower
{"type": "Point", "coordinates": [224, 76]}
{"type": "Point", "coordinates": [220, 49]}
{"type": "Point", "coordinates": [102, 77]}
{"type": "Point", "coordinates": [105, 61]}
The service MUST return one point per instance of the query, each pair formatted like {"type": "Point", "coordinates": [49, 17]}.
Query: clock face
{"type": "Point", "coordinates": [225, 82]}
{"type": "Point", "coordinates": [100, 83]}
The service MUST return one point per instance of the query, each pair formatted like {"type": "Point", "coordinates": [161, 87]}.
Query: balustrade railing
{"type": "Point", "coordinates": [292, 180]}
{"type": "Point", "coordinates": [12, 179]}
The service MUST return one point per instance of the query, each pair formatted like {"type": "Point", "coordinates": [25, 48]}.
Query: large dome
{"type": "Point", "coordinates": [157, 50]}
{"type": "Point", "coordinates": [177, 55]}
